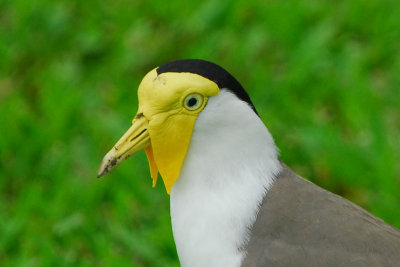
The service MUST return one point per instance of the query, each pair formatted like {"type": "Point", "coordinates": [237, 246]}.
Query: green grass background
{"type": "Point", "coordinates": [324, 76]}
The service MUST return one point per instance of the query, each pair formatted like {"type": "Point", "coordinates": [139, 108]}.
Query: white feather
{"type": "Point", "coordinates": [230, 164]}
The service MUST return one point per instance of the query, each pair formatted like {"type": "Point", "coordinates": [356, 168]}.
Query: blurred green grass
{"type": "Point", "coordinates": [323, 75]}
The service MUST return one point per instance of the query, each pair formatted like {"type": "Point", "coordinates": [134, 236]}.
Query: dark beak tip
{"type": "Point", "coordinates": [101, 173]}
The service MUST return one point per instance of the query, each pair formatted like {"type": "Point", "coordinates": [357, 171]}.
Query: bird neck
{"type": "Point", "coordinates": [229, 167]}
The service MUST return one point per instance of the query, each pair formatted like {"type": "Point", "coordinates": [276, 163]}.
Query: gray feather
{"type": "Point", "coordinates": [301, 224]}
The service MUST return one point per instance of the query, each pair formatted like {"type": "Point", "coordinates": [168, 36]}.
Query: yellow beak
{"type": "Point", "coordinates": [136, 138]}
{"type": "Point", "coordinates": [165, 140]}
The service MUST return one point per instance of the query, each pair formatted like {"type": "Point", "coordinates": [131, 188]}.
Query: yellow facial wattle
{"type": "Point", "coordinates": [169, 104]}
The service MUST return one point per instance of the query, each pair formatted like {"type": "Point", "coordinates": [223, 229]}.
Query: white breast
{"type": "Point", "coordinates": [229, 166]}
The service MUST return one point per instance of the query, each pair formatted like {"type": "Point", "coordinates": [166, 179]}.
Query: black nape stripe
{"type": "Point", "coordinates": [210, 71]}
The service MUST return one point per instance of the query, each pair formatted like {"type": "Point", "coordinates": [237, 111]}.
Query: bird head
{"type": "Point", "coordinates": [170, 99]}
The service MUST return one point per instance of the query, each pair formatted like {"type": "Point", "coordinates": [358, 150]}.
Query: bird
{"type": "Point", "coordinates": [233, 202]}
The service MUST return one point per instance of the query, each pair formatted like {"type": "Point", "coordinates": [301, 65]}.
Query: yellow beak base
{"type": "Point", "coordinates": [152, 164]}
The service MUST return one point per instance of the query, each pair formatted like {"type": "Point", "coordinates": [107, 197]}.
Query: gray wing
{"type": "Point", "coordinates": [301, 224]}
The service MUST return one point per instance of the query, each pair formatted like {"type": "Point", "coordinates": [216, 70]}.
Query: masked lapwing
{"type": "Point", "coordinates": [233, 202]}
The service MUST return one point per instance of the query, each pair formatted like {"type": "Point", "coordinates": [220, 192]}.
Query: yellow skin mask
{"type": "Point", "coordinates": [169, 104]}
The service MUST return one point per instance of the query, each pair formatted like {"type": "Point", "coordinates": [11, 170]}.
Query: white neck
{"type": "Point", "coordinates": [230, 164]}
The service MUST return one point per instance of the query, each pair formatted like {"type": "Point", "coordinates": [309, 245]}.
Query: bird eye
{"type": "Point", "coordinates": [193, 101]}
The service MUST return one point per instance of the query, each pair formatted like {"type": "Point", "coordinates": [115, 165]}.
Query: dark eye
{"type": "Point", "coordinates": [193, 101]}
